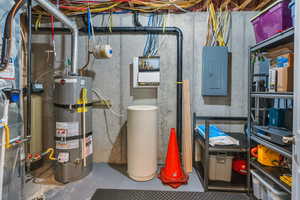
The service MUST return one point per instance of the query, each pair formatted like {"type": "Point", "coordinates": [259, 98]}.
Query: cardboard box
{"type": "Point", "coordinates": [285, 79]}
{"type": "Point", "coordinates": [286, 46]}
{"type": "Point", "coordinates": [277, 61]}
{"type": "Point", "coordinates": [290, 59]}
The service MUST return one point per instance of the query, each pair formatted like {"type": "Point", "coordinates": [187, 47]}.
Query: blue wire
{"type": "Point", "coordinates": [146, 48]}
{"type": "Point", "coordinates": [152, 41]}
{"type": "Point", "coordinates": [89, 22]}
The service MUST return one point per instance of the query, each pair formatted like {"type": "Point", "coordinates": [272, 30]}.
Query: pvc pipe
{"type": "Point", "coordinates": [51, 8]}
{"type": "Point", "coordinates": [2, 159]}
{"type": "Point", "coordinates": [84, 126]}
{"type": "Point", "coordinates": [2, 162]}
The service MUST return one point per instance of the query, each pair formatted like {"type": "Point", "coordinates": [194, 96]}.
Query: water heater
{"type": "Point", "coordinates": [73, 136]}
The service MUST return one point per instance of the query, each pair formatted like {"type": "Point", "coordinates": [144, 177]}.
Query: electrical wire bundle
{"type": "Point", "coordinates": [78, 7]}
{"type": "Point", "coordinates": [219, 24]}
{"type": "Point", "coordinates": [152, 42]}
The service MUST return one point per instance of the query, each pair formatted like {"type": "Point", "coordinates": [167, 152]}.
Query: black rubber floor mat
{"type": "Point", "coordinates": [113, 194]}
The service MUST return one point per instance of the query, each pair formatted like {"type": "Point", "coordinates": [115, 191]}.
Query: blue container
{"type": "Point", "coordinates": [276, 117]}
{"type": "Point", "coordinates": [15, 97]}
{"type": "Point", "coordinates": [293, 13]}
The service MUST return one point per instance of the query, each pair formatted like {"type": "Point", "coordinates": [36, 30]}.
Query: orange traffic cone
{"type": "Point", "coordinates": [172, 174]}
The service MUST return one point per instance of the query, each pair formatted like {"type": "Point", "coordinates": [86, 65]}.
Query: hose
{"type": "Point", "coordinates": [51, 155]}
{"type": "Point", "coordinates": [7, 38]}
{"type": "Point", "coordinates": [81, 70]}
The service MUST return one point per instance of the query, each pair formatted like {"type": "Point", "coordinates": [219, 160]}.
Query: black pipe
{"type": "Point", "coordinates": [136, 21]}
{"type": "Point", "coordinates": [29, 67]}
{"type": "Point", "coordinates": [145, 30]}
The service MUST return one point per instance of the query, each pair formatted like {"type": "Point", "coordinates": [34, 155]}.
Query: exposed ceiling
{"type": "Point", "coordinates": [75, 7]}
{"type": "Point", "coordinates": [238, 5]}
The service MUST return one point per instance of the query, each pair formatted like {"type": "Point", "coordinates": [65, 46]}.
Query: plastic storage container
{"type": "Point", "coordinates": [274, 19]}
{"type": "Point", "coordinates": [220, 167]}
{"type": "Point", "coordinates": [266, 189]}
{"type": "Point", "coordinates": [142, 128]}
{"type": "Point", "coordinates": [293, 13]}
{"type": "Point", "coordinates": [256, 188]}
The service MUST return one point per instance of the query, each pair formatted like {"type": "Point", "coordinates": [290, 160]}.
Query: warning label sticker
{"type": "Point", "coordinates": [64, 130]}
{"type": "Point", "coordinates": [67, 129]}
{"type": "Point", "coordinates": [71, 144]}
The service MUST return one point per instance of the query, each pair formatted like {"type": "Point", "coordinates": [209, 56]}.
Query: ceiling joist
{"type": "Point", "coordinates": [244, 5]}
{"type": "Point", "coordinates": [263, 4]}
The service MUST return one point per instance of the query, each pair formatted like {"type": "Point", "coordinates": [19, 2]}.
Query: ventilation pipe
{"type": "Point", "coordinates": [51, 8]}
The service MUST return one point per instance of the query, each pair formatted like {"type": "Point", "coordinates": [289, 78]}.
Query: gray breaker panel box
{"type": "Point", "coordinates": [215, 71]}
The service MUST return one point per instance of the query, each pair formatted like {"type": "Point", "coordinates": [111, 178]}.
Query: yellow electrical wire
{"type": "Point", "coordinates": [110, 22]}
{"type": "Point", "coordinates": [38, 22]}
{"type": "Point", "coordinates": [137, 5]}
{"type": "Point", "coordinates": [164, 22]}
{"type": "Point", "coordinates": [215, 23]}
{"type": "Point", "coordinates": [51, 155]}
{"type": "Point", "coordinates": [105, 8]}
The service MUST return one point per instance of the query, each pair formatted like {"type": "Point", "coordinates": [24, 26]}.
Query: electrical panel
{"type": "Point", "coordinates": [215, 71]}
{"type": "Point", "coordinates": [146, 72]}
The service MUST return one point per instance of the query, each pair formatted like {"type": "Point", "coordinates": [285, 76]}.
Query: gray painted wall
{"type": "Point", "coordinates": [112, 77]}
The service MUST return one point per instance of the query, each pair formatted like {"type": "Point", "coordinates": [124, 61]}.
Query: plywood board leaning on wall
{"type": "Point", "coordinates": [187, 129]}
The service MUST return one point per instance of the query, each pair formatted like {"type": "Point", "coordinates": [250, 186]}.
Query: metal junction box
{"type": "Point", "coordinates": [215, 71]}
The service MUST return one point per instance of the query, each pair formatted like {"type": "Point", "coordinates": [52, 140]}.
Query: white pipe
{"type": "Point", "coordinates": [84, 135]}
{"type": "Point", "coordinates": [2, 159]}
{"type": "Point", "coordinates": [2, 162]}
{"type": "Point", "coordinates": [51, 8]}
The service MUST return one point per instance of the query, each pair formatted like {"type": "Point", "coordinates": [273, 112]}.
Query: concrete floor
{"type": "Point", "coordinates": [103, 176]}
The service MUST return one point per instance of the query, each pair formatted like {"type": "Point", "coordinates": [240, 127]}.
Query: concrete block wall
{"type": "Point", "coordinates": [112, 78]}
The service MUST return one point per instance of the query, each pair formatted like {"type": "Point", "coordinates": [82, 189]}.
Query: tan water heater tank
{"type": "Point", "coordinates": [142, 142]}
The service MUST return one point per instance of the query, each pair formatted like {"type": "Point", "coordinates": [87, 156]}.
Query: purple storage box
{"type": "Point", "coordinates": [274, 19]}
{"type": "Point", "coordinates": [293, 11]}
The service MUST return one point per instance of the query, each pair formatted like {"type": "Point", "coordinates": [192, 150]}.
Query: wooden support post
{"type": "Point", "coordinates": [262, 4]}
{"type": "Point", "coordinates": [243, 5]}
{"type": "Point", "coordinates": [187, 129]}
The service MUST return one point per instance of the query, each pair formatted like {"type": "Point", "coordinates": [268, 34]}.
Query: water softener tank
{"type": "Point", "coordinates": [73, 118]}
{"type": "Point", "coordinates": [142, 142]}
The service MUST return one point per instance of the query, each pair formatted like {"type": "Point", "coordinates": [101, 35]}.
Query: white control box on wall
{"type": "Point", "coordinates": [146, 72]}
